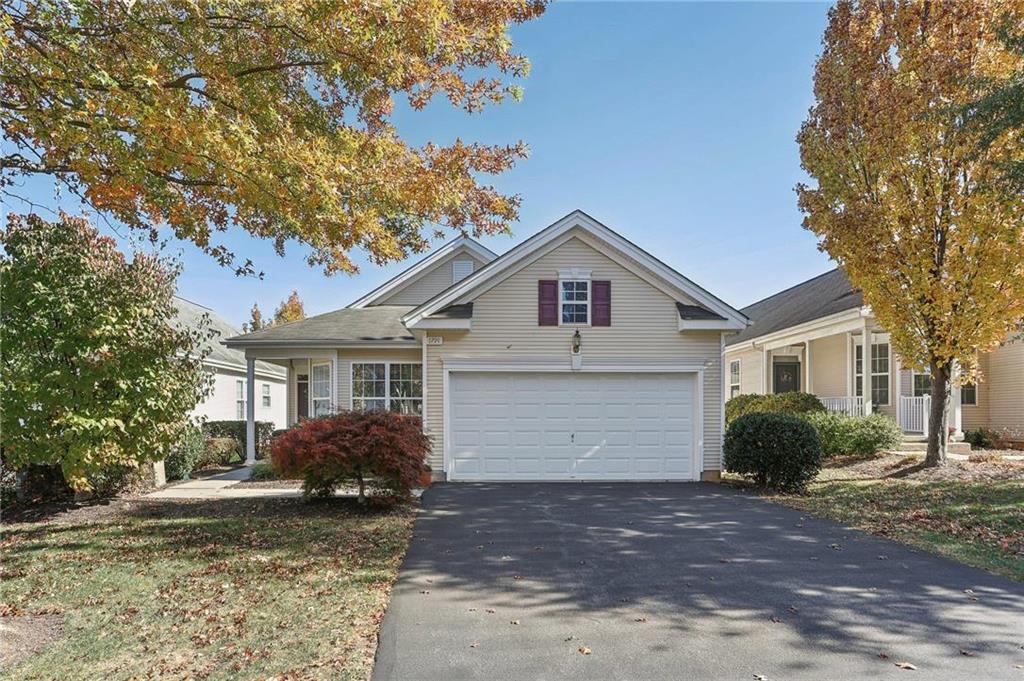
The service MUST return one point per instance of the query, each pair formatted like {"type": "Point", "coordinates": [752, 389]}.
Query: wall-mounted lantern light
{"type": "Point", "coordinates": [577, 342]}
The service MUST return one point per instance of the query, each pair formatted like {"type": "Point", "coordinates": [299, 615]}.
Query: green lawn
{"type": "Point", "coordinates": [218, 590]}
{"type": "Point", "coordinates": [971, 512]}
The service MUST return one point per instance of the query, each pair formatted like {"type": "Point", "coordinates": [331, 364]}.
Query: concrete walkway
{"type": "Point", "coordinates": [219, 486]}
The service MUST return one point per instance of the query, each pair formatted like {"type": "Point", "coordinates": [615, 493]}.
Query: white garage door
{"type": "Point", "coordinates": [571, 426]}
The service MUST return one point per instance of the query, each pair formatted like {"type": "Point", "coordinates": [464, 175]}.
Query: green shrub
{"type": "Point", "coordinates": [219, 451]}
{"type": "Point", "coordinates": [236, 431]}
{"type": "Point", "coordinates": [262, 471]}
{"type": "Point", "coordinates": [843, 435]}
{"type": "Point", "coordinates": [782, 403]}
{"type": "Point", "coordinates": [979, 439]}
{"type": "Point", "coordinates": [184, 457]}
{"type": "Point", "coordinates": [779, 451]}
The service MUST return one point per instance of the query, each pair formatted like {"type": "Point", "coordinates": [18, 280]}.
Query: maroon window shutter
{"type": "Point", "coordinates": [547, 302]}
{"type": "Point", "coordinates": [601, 304]}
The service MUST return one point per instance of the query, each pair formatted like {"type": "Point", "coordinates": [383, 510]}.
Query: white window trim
{"type": "Point", "coordinates": [313, 399]}
{"type": "Point", "coordinates": [739, 376]}
{"type": "Point", "coordinates": [240, 400]}
{"type": "Point", "coordinates": [387, 384]}
{"type": "Point", "coordinates": [865, 385]}
{"type": "Point", "coordinates": [265, 396]}
{"type": "Point", "coordinates": [575, 274]}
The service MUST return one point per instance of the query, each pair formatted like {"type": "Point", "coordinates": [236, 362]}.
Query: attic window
{"type": "Point", "coordinates": [461, 269]}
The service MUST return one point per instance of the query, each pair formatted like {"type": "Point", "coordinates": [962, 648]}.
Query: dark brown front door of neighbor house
{"type": "Point", "coordinates": [786, 377]}
{"type": "Point", "coordinates": [302, 399]}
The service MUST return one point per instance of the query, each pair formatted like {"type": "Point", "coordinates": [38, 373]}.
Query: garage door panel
{"type": "Point", "coordinates": [566, 426]}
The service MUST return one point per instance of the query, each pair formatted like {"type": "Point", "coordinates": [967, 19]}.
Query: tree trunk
{"type": "Point", "coordinates": [938, 433]}
{"type": "Point", "coordinates": [362, 488]}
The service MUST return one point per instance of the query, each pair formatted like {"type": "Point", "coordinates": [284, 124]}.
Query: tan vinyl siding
{"type": "Point", "coordinates": [828, 366]}
{"type": "Point", "coordinates": [1006, 388]}
{"type": "Point", "coordinates": [431, 282]}
{"type": "Point", "coordinates": [644, 330]}
{"type": "Point", "coordinates": [973, 417]}
{"type": "Point", "coordinates": [750, 370]}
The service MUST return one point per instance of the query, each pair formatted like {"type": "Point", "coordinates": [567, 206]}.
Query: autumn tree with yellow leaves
{"type": "Point", "coordinates": [271, 117]}
{"type": "Point", "coordinates": [905, 195]}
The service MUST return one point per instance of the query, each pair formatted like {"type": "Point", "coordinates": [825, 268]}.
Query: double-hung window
{"type": "Point", "coordinates": [969, 394]}
{"type": "Point", "coordinates": [922, 383]}
{"type": "Point", "coordinates": [320, 389]}
{"type": "Point", "coordinates": [734, 378]}
{"type": "Point", "coordinates": [266, 394]}
{"type": "Point", "coordinates": [392, 385]}
{"type": "Point", "coordinates": [240, 400]}
{"type": "Point", "coordinates": [574, 301]}
{"type": "Point", "coordinates": [879, 367]}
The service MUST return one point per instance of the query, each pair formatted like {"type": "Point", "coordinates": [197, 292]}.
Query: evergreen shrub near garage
{"type": "Point", "coordinates": [779, 451]}
{"type": "Point", "coordinates": [381, 451]}
{"type": "Point", "coordinates": [843, 435]}
{"type": "Point", "coordinates": [185, 455]}
{"type": "Point", "coordinates": [236, 430]}
{"type": "Point", "coordinates": [782, 403]}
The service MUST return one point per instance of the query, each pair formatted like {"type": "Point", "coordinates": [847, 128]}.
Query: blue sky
{"type": "Point", "coordinates": [672, 123]}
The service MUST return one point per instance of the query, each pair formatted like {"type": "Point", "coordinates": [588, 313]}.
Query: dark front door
{"type": "Point", "coordinates": [302, 399]}
{"type": "Point", "coordinates": [786, 377]}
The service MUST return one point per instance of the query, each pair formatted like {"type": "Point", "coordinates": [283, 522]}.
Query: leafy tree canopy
{"type": "Point", "coordinates": [291, 309]}
{"type": "Point", "coordinates": [94, 374]}
{"type": "Point", "coordinates": [269, 116]}
{"type": "Point", "coordinates": [906, 195]}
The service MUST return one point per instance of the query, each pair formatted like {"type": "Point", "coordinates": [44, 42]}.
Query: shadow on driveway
{"type": "Point", "coordinates": [679, 581]}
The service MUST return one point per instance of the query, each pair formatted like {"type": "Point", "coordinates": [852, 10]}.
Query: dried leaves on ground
{"type": "Point", "coordinates": [970, 511]}
{"type": "Point", "coordinates": [223, 589]}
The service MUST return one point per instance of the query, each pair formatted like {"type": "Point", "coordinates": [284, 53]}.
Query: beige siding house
{"type": "Point", "coordinates": [574, 356]}
{"type": "Point", "coordinates": [812, 337]}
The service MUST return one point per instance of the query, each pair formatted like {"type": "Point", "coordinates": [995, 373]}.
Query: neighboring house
{"type": "Point", "coordinates": [574, 356]}
{"type": "Point", "coordinates": [811, 337]}
{"type": "Point", "coordinates": [227, 401]}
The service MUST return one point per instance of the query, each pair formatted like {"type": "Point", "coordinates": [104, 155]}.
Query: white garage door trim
{"type": "Point", "coordinates": [474, 367]}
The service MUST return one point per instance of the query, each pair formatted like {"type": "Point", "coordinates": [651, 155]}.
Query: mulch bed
{"type": "Point", "coordinates": [908, 467]}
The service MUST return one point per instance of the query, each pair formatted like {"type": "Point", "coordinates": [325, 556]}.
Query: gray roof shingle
{"type": "Point", "coordinates": [190, 313]}
{"type": "Point", "coordinates": [821, 296]}
{"type": "Point", "coordinates": [696, 312]}
{"type": "Point", "coordinates": [376, 323]}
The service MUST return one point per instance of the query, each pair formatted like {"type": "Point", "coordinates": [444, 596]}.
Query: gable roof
{"type": "Point", "coordinates": [189, 315]}
{"type": "Point", "coordinates": [408, 275]}
{"type": "Point", "coordinates": [579, 219]}
{"type": "Point", "coordinates": [345, 326]}
{"type": "Point", "coordinates": [824, 295]}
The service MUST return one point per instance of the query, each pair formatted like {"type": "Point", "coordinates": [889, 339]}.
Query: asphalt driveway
{"type": "Point", "coordinates": [679, 581]}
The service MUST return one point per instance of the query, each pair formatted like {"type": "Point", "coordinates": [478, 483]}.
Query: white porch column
{"type": "Point", "coordinates": [764, 371]}
{"type": "Point", "coordinates": [865, 365]}
{"type": "Point", "coordinates": [250, 410]}
{"type": "Point", "coordinates": [897, 362]}
{"type": "Point", "coordinates": [808, 378]}
{"type": "Point", "coordinates": [955, 411]}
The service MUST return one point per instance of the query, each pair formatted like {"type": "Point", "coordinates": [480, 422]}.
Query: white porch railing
{"type": "Point", "coordinates": [914, 413]}
{"type": "Point", "coordinates": [851, 406]}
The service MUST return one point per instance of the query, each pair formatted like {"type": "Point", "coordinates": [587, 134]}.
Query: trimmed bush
{"type": "Point", "coordinates": [782, 403]}
{"type": "Point", "coordinates": [779, 451]}
{"type": "Point", "coordinates": [842, 435]}
{"type": "Point", "coordinates": [236, 431]}
{"type": "Point", "coordinates": [381, 450]}
{"type": "Point", "coordinates": [979, 439]}
{"type": "Point", "coordinates": [219, 451]}
{"type": "Point", "coordinates": [262, 471]}
{"type": "Point", "coordinates": [185, 456]}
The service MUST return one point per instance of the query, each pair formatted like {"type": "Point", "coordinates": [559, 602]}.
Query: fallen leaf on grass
{"type": "Point", "coordinates": [760, 677]}
{"type": "Point", "coordinates": [640, 619]}
{"type": "Point", "coordinates": [905, 665]}
{"type": "Point", "coordinates": [490, 610]}
{"type": "Point", "coordinates": [474, 644]}
{"type": "Point", "coordinates": [584, 650]}
{"type": "Point", "coordinates": [516, 622]}
{"type": "Point", "coordinates": [884, 656]}
{"type": "Point", "coordinates": [775, 619]}
{"type": "Point", "coordinates": [966, 653]}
